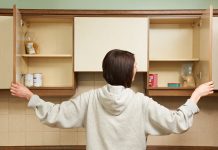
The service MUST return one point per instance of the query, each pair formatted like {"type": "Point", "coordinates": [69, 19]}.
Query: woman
{"type": "Point", "coordinates": [115, 117]}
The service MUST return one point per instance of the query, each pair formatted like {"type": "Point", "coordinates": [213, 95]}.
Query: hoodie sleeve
{"type": "Point", "coordinates": [162, 121]}
{"type": "Point", "coordinates": [68, 114]}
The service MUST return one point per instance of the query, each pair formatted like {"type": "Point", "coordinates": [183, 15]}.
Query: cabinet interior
{"type": "Point", "coordinates": [54, 37]}
{"type": "Point", "coordinates": [173, 42]}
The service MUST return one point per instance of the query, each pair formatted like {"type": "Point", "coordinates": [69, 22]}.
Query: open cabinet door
{"type": "Point", "coordinates": [17, 45]}
{"type": "Point", "coordinates": [215, 52]}
{"type": "Point", "coordinates": [6, 51]}
{"type": "Point", "coordinates": [205, 49]}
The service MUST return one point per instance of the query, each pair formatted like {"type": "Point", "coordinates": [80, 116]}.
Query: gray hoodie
{"type": "Point", "coordinates": [115, 118]}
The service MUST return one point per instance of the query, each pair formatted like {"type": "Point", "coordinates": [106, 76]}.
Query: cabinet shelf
{"type": "Point", "coordinates": [170, 88]}
{"type": "Point", "coordinates": [169, 92]}
{"type": "Point", "coordinates": [53, 91]}
{"type": "Point", "coordinates": [174, 60]}
{"type": "Point", "coordinates": [47, 56]}
{"type": "Point", "coordinates": [50, 88]}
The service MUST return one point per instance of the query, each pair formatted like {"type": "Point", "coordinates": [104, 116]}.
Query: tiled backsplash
{"type": "Point", "coordinates": [19, 125]}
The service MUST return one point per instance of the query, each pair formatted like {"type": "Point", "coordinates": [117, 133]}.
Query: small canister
{"type": "Point", "coordinates": [28, 80]}
{"type": "Point", "coordinates": [37, 79]}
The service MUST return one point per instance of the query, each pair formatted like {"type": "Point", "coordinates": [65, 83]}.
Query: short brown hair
{"type": "Point", "coordinates": [118, 67]}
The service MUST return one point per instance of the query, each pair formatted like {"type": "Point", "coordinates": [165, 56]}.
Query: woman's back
{"type": "Point", "coordinates": [115, 120]}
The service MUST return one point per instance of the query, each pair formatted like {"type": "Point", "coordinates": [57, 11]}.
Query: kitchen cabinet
{"type": "Point", "coordinates": [54, 38]}
{"type": "Point", "coordinates": [175, 41]}
{"type": "Point", "coordinates": [95, 36]}
{"type": "Point", "coordinates": [6, 51]}
{"type": "Point", "coordinates": [77, 40]}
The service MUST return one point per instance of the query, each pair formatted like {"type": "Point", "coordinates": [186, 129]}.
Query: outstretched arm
{"type": "Point", "coordinates": [71, 113]}
{"type": "Point", "coordinates": [162, 121]}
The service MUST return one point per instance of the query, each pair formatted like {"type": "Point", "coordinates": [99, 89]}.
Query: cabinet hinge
{"type": "Point", "coordinates": [200, 23]}
{"type": "Point", "coordinates": [199, 75]}
{"type": "Point", "coordinates": [21, 23]}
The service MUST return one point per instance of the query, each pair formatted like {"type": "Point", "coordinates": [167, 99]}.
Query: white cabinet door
{"type": "Point", "coordinates": [95, 36]}
{"type": "Point", "coordinates": [215, 52]}
{"type": "Point", "coordinates": [6, 51]}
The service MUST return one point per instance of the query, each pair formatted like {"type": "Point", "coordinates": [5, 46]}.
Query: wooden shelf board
{"type": "Point", "coordinates": [48, 19]}
{"type": "Point", "coordinates": [169, 92]}
{"type": "Point", "coordinates": [174, 92]}
{"type": "Point", "coordinates": [50, 88]}
{"type": "Point", "coordinates": [54, 91]}
{"type": "Point", "coordinates": [174, 20]}
{"type": "Point", "coordinates": [170, 88]}
{"type": "Point", "coordinates": [71, 92]}
{"type": "Point", "coordinates": [50, 92]}
{"type": "Point", "coordinates": [47, 56]}
{"type": "Point", "coordinates": [173, 60]}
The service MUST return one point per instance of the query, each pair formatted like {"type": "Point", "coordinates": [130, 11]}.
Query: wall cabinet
{"type": "Point", "coordinates": [95, 36]}
{"type": "Point", "coordinates": [77, 41]}
{"type": "Point", "coordinates": [54, 38]}
{"type": "Point", "coordinates": [175, 41]}
{"type": "Point", "coordinates": [6, 51]}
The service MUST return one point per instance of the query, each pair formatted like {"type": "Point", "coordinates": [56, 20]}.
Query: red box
{"type": "Point", "coordinates": [153, 78]}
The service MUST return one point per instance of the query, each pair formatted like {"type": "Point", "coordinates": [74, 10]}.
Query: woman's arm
{"type": "Point", "coordinates": [21, 91]}
{"type": "Point", "coordinates": [162, 121]}
{"type": "Point", "coordinates": [202, 90]}
{"type": "Point", "coordinates": [71, 113]}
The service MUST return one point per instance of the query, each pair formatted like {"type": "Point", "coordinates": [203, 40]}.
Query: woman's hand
{"type": "Point", "coordinates": [21, 91]}
{"type": "Point", "coordinates": [202, 90]}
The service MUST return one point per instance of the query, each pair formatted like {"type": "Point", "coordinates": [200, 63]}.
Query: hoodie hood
{"type": "Point", "coordinates": [115, 99]}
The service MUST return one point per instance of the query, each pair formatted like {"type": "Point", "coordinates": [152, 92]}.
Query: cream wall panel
{"type": "Point", "coordinates": [51, 138]}
{"type": "Point", "coordinates": [68, 138]}
{"type": "Point", "coordinates": [46, 128]}
{"type": "Point", "coordinates": [3, 106]}
{"type": "Point", "coordinates": [33, 138]}
{"type": "Point", "coordinates": [4, 139]}
{"type": "Point", "coordinates": [17, 123]}
{"type": "Point", "coordinates": [33, 124]}
{"type": "Point", "coordinates": [81, 138]}
{"type": "Point", "coordinates": [215, 52]}
{"type": "Point", "coordinates": [95, 36]}
{"type": "Point", "coordinates": [6, 51]}
{"type": "Point", "coordinates": [16, 106]}
{"type": "Point", "coordinates": [17, 138]}
{"type": "Point", "coordinates": [4, 123]}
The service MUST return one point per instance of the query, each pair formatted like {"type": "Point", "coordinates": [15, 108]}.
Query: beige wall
{"type": "Point", "coordinates": [19, 125]}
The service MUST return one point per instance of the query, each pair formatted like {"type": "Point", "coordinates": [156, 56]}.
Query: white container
{"type": "Point", "coordinates": [30, 48]}
{"type": "Point", "coordinates": [28, 80]}
{"type": "Point", "coordinates": [37, 79]}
